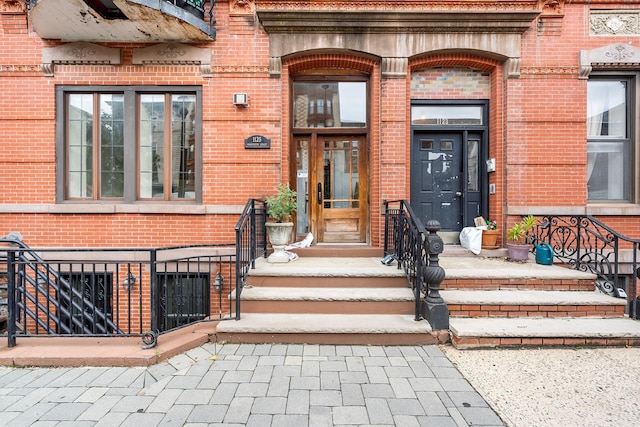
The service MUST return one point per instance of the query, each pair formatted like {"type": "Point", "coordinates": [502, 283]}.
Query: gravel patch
{"type": "Point", "coordinates": [556, 387]}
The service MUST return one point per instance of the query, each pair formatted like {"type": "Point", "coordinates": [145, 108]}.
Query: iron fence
{"type": "Point", "coordinates": [586, 244]}
{"type": "Point", "coordinates": [114, 292]}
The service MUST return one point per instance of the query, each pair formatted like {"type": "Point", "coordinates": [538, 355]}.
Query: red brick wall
{"type": "Point", "coordinates": [537, 128]}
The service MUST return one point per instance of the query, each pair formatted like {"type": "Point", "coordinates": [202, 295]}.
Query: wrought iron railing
{"type": "Point", "coordinates": [114, 292]}
{"type": "Point", "coordinates": [404, 240]}
{"type": "Point", "coordinates": [251, 243]}
{"type": "Point", "coordinates": [586, 244]}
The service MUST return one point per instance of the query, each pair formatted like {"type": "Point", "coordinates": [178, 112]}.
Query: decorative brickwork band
{"type": "Point", "coordinates": [615, 22]}
{"type": "Point", "coordinates": [174, 54]}
{"type": "Point", "coordinates": [78, 53]}
{"type": "Point", "coordinates": [394, 67]}
{"type": "Point", "coordinates": [618, 56]}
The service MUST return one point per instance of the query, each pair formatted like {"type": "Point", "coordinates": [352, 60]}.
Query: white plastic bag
{"type": "Point", "coordinates": [471, 238]}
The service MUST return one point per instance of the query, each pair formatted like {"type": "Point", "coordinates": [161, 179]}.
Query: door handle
{"type": "Point", "coordinates": [458, 193]}
{"type": "Point", "coordinates": [319, 193]}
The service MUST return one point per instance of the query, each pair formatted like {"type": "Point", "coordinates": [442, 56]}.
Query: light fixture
{"type": "Point", "coordinates": [128, 283]}
{"type": "Point", "coordinates": [218, 282]}
{"type": "Point", "coordinates": [240, 100]}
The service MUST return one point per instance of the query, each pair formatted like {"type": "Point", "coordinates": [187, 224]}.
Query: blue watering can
{"type": "Point", "coordinates": [544, 253]}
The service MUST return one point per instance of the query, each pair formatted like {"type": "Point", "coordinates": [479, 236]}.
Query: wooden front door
{"type": "Point", "coordinates": [334, 186]}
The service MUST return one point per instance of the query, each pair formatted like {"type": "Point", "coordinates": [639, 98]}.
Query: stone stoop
{"type": "Point", "coordinates": [344, 295]}
{"type": "Point", "coordinates": [496, 303]}
{"type": "Point", "coordinates": [329, 300]}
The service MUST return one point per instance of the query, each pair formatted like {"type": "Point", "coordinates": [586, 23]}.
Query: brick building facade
{"type": "Point", "coordinates": [126, 131]}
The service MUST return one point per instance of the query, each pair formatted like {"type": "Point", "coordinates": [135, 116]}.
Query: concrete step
{"type": "Point", "coordinates": [528, 303]}
{"type": "Point", "coordinates": [354, 329]}
{"type": "Point", "coordinates": [327, 300]}
{"type": "Point", "coordinates": [516, 332]}
{"type": "Point", "coordinates": [497, 273]}
{"type": "Point", "coordinates": [335, 250]}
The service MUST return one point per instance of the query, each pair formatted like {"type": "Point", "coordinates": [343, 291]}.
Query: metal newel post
{"type": "Point", "coordinates": [11, 298]}
{"type": "Point", "coordinates": [434, 309]}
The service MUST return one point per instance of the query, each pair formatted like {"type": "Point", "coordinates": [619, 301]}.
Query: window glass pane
{"type": "Point", "coordinates": [607, 108]}
{"type": "Point", "coordinates": [80, 146]}
{"type": "Point", "coordinates": [472, 165]}
{"type": "Point", "coordinates": [446, 115]}
{"type": "Point", "coordinates": [330, 104]}
{"type": "Point", "coordinates": [183, 143]}
{"type": "Point", "coordinates": [608, 171]}
{"type": "Point", "coordinates": [112, 145]}
{"type": "Point", "coordinates": [152, 153]}
{"type": "Point", "coordinates": [302, 172]}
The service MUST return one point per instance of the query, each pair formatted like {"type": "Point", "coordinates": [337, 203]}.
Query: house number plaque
{"type": "Point", "coordinates": [257, 142]}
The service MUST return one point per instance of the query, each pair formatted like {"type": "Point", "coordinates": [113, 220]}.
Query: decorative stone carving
{"type": "Point", "coordinates": [78, 53]}
{"type": "Point", "coordinates": [512, 68]}
{"type": "Point", "coordinates": [174, 54]}
{"type": "Point", "coordinates": [551, 7]}
{"type": "Point", "coordinates": [394, 67]}
{"type": "Point", "coordinates": [10, 7]}
{"type": "Point", "coordinates": [242, 7]}
{"type": "Point", "coordinates": [615, 22]}
{"type": "Point", "coordinates": [275, 66]}
{"type": "Point", "coordinates": [618, 56]}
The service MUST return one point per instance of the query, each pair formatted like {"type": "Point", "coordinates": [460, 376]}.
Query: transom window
{"type": "Point", "coordinates": [329, 104]}
{"type": "Point", "coordinates": [128, 144]}
{"type": "Point", "coordinates": [609, 144]}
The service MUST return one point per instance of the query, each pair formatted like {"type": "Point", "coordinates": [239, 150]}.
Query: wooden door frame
{"type": "Point", "coordinates": [315, 159]}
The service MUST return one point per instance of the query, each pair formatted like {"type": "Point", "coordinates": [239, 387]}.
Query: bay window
{"type": "Point", "coordinates": [128, 143]}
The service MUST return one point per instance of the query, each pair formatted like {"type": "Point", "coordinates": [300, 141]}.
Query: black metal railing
{"type": "Point", "coordinates": [404, 237]}
{"type": "Point", "coordinates": [251, 243]}
{"type": "Point", "coordinates": [586, 244]}
{"type": "Point", "coordinates": [114, 292]}
{"type": "Point", "coordinates": [196, 8]}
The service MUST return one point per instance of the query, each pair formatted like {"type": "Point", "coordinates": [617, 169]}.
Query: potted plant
{"type": "Point", "coordinates": [280, 208]}
{"type": "Point", "coordinates": [517, 245]}
{"type": "Point", "coordinates": [490, 235]}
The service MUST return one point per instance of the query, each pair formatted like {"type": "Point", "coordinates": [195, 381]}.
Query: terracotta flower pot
{"type": "Point", "coordinates": [490, 239]}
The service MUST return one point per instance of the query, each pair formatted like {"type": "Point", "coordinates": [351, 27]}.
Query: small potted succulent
{"type": "Point", "coordinates": [280, 209]}
{"type": "Point", "coordinates": [517, 245]}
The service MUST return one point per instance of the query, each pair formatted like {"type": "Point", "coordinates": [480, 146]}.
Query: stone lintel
{"type": "Point", "coordinates": [617, 56]}
{"type": "Point", "coordinates": [174, 54]}
{"type": "Point", "coordinates": [434, 21]}
{"type": "Point", "coordinates": [78, 53]}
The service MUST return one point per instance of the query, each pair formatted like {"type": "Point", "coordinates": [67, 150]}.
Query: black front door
{"type": "Point", "coordinates": [436, 178]}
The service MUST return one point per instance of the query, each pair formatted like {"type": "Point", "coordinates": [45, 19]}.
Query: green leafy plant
{"type": "Point", "coordinates": [518, 232]}
{"type": "Point", "coordinates": [283, 205]}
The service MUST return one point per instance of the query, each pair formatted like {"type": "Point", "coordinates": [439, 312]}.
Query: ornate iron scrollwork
{"type": "Point", "coordinates": [149, 340]}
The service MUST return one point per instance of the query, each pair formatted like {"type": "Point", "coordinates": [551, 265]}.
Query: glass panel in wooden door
{"type": "Point", "coordinates": [340, 173]}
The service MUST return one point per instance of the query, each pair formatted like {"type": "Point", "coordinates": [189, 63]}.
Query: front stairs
{"type": "Point", "coordinates": [345, 295]}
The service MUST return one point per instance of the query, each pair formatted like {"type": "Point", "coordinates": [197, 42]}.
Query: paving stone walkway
{"type": "Point", "coordinates": [252, 385]}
